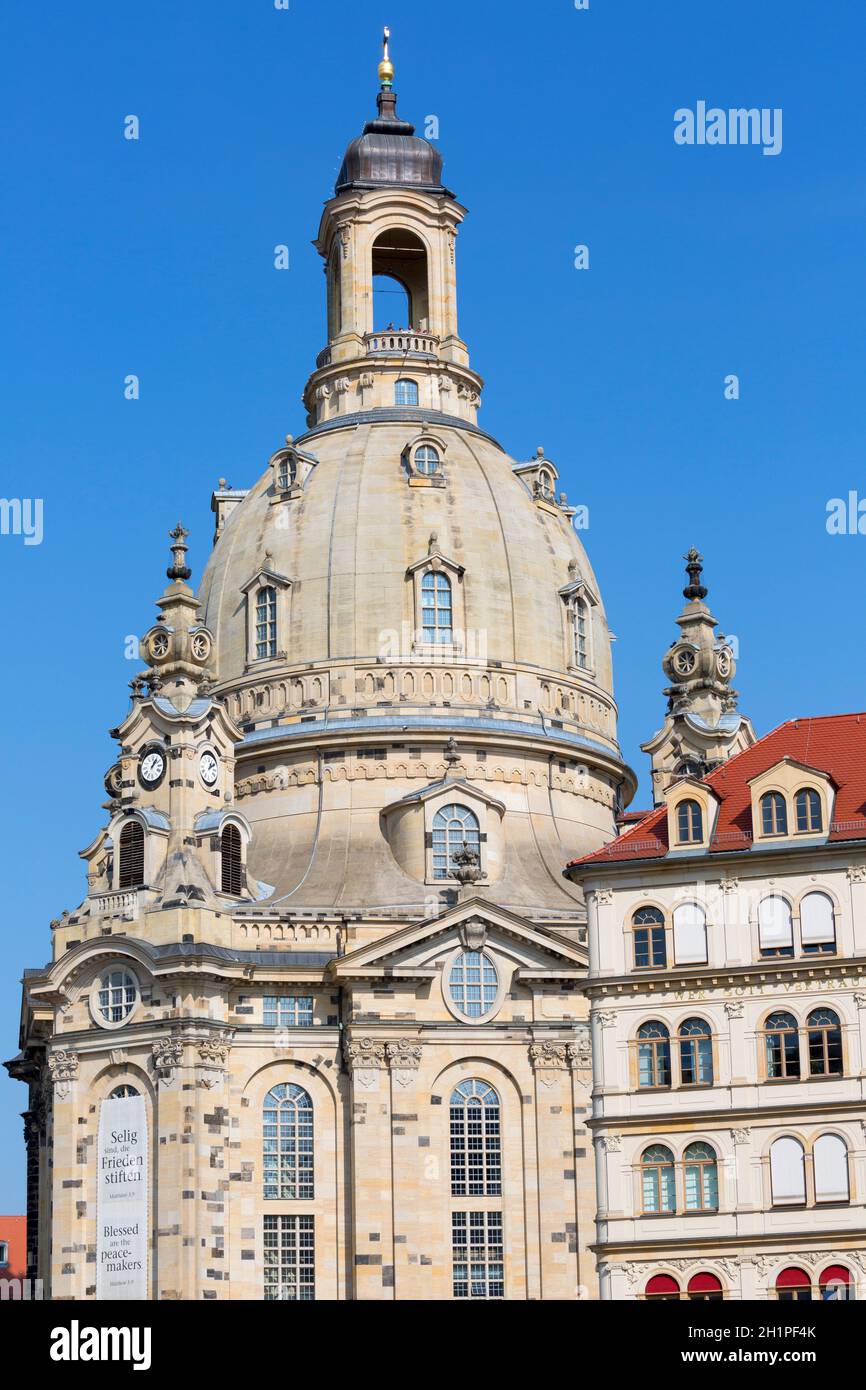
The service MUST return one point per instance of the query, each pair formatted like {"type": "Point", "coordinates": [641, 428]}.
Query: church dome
{"type": "Point", "coordinates": [389, 153]}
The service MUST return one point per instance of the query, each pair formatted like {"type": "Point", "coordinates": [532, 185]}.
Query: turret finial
{"type": "Point", "coordinates": [386, 67]}
{"type": "Point", "coordinates": [180, 569]}
{"type": "Point", "coordinates": [694, 568]}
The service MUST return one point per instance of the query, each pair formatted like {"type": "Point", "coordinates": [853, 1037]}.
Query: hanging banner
{"type": "Point", "coordinates": [121, 1199]}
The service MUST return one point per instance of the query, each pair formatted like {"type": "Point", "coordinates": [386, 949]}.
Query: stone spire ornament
{"type": "Point", "coordinates": [694, 567]}
{"type": "Point", "coordinates": [179, 569]}
{"type": "Point", "coordinates": [178, 648]}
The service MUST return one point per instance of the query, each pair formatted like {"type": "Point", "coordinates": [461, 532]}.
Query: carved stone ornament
{"type": "Point", "coordinates": [857, 873]}
{"type": "Point", "coordinates": [611, 1143]}
{"type": "Point", "coordinates": [214, 1050]}
{"type": "Point", "coordinates": [63, 1071]}
{"type": "Point", "coordinates": [403, 1055]}
{"type": "Point", "coordinates": [364, 1052]}
{"type": "Point", "coordinates": [167, 1056]}
{"type": "Point", "coordinates": [734, 1008]}
{"type": "Point", "coordinates": [603, 896]}
{"type": "Point", "coordinates": [473, 934]}
{"type": "Point", "coordinates": [860, 999]}
{"type": "Point", "coordinates": [741, 1136]}
{"type": "Point", "coordinates": [580, 1052]}
{"type": "Point", "coordinates": [606, 1017]}
{"type": "Point", "coordinates": [548, 1056]}
{"type": "Point", "coordinates": [729, 885]}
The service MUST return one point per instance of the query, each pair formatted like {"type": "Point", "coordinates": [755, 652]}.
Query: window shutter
{"type": "Point", "coordinates": [232, 868]}
{"type": "Point", "coordinates": [131, 865]}
{"type": "Point", "coordinates": [816, 919]}
{"type": "Point", "coordinates": [775, 925]}
{"type": "Point", "coordinates": [690, 934]}
{"type": "Point", "coordinates": [830, 1157]}
{"type": "Point", "coordinates": [787, 1172]}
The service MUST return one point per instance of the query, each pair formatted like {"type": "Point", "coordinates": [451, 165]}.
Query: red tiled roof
{"type": "Point", "coordinates": [833, 743]}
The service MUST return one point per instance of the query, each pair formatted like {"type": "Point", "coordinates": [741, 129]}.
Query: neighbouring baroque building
{"type": "Point", "coordinates": [727, 988]}
{"type": "Point", "coordinates": [317, 1029]}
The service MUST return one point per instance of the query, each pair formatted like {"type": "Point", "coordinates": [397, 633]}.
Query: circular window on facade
{"type": "Point", "coordinates": [114, 998]}
{"type": "Point", "coordinates": [427, 461]}
{"type": "Point", "coordinates": [473, 985]}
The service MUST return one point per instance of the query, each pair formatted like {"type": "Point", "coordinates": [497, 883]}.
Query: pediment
{"type": "Point", "coordinates": [449, 785]}
{"type": "Point", "coordinates": [417, 950]}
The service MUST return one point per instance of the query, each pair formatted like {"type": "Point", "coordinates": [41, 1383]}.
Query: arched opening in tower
{"type": "Point", "coordinates": [400, 281]}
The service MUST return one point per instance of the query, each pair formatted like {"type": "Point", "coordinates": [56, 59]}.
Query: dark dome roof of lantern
{"type": "Point", "coordinates": [389, 154]}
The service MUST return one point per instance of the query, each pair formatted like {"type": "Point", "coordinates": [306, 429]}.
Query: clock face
{"type": "Point", "coordinates": [152, 767]}
{"type": "Point", "coordinates": [208, 768]}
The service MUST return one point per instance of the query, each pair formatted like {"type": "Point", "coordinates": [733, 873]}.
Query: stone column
{"type": "Point", "coordinates": [69, 1271]}
{"type": "Point", "coordinates": [415, 1185]}
{"type": "Point", "coordinates": [554, 1107]}
{"type": "Point", "coordinates": [371, 1181]}
{"type": "Point", "coordinates": [580, 1059]}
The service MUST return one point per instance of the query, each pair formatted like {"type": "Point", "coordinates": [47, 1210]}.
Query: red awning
{"type": "Point", "coordinates": [704, 1283]}
{"type": "Point", "coordinates": [662, 1283]}
{"type": "Point", "coordinates": [793, 1279]}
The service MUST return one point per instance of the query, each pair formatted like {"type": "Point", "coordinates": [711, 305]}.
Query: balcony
{"type": "Point", "coordinates": [401, 342]}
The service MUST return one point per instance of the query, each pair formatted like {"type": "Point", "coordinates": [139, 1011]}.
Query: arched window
{"type": "Point", "coordinates": [130, 873]}
{"type": "Point", "coordinates": [476, 1153]}
{"type": "Point", "coordinates": [690, 823]}
{"type": "Point", "coordinates": [123, 1093]}
{"type": "Point", "coordinates": [696, 1053]}
{"type": "Point", "coordinates": [473, 984]}
{"type": "Point", "coordinates": [774, 814]}
{"type": "Point", "coordinates": [406, 392]}
{"type": "Point", "coordinates": [452, 827]}
{"type": "Point", "coordinates": [775, 927]}
{"type": "Point", "coordinates": [581, 634]}
{"type": "Point", "coordinates": [286, 473]}
{"type": "Point", "coordinates": [437, 618]}
{"type": "Point", "coordinates": [663, 1288]}
{"type": "Point", "coordinates": [545, 485]}
{"type": "Point", "coordinates": [705, 1288]}
{"type": "Point", "coordinates": [232, 863]}
{"type": "Point", "coordinates": [427, 459]}
{"type": "Point", "coordinates": [793, 1286]}
{"type": "Point", "coordinates": [266, 622]}
{"type": "Point", "coordinates": [830, 1165]}
{"type": "Point", "coordinates": [825, 1043]}
{"type": "Point", "coordinates": [782, 1042]}
{"type": "Point", "coordinates": [817, 925]}
{"type": "Point", "coordinates": [117, 996]}
{"type": "Point", "coordinates": [835, 1284]}
{"type": "Point", "coordinates": [701, 1171]}
{"type": "Point", "coordinates": [658, 1179]}
{"type": "Point", "coordinates": [654, 1056]}
{"type": "Point", "coordinates": [287, 1148]}
{"type": "Point", "coordinates": [648, 929]}
{"type": "Point", "coordinates": [808, 806]}
{"type": "Point", "coordinates": [788, 1172]}
{"type": "Point", "coordinates": [690, 934]}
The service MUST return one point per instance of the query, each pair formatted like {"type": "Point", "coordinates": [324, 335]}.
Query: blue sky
{"type": "Point", "coordinates": [155, 257]}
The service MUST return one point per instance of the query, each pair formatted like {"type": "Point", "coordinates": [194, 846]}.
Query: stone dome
{"type": "Point", "coordinates": [354, 712]}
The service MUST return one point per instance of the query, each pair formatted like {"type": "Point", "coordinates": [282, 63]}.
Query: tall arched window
{"type": "Point", "coordinates": [782, 1042]}
{"type": "Point", "coordinates": [406, 392]}
{"type": "Point", "coordinates": [701, 1172]}
{"type": "Point", "coordinates": [774, 814]}
{"type": "Point", "coordinates": [808, 807]}
{"type": "Point", "coordinates": [287, 1144]}
{"type": "Point", "coordinates": [266, 622]}
{"type": "Point", "coordinates": [658, 1179]}
{"type": "Point", "coordinates": [452, 826]}
{"type": "Point", "coordinates": [793, 1286]}
{"type": "Point", "coordinates": [437, 616]}
{"type": "Point", "coordinates": [775, 927]}
{"type": "Point", "coordinates": [232, 864]}
{"type": "Point", "coordinates": [825, 1043]}
{"type": "Point", "coordinates": [581, 634]}
{"type": "Point", "coordinates": [817, 925]}
{"type": "Point", "coordinates": [696, 1053]}
{"type": "Point", "coordinates": [690, 934]}
{"type": "Point", "coordinates": [654, 1056]}
{"type": "Point", "coordinates": [830, 1165]}
{"type": "Point", "coordinates": [788, 1172]}
{"type": "Point", "coordinates": [648, 930]}
{"type": "Point", "coordinates": [476, 1152]}
{"type": "Point", "coordinates": [473, 984]}
{"type": "Point", "coordinates": [690, 823]}
{"type": "Point", "coordinates": [130, 868]}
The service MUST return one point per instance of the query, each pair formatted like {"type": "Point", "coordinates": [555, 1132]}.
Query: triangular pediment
{"type": "Point", "coordinates": [448, 784]}
{"type": "Point", "coordinates": [417, 950]}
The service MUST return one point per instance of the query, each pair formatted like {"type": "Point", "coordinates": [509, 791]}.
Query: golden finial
{"type": "Point", "coordinates": [386, 67]}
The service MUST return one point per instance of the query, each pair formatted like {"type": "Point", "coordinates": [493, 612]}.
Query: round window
{"type": "Point", "coordinates": [114, 998]}
{"type": "Point", "coordinates": [473, 984]}
{"type": "Point", "coordinates": [426, 460]}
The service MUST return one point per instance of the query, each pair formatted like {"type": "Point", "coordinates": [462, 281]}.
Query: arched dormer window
{"type": "Point", "coordinates": [266, 622]}
{"type": "Point", "coordinates": [437, 611]}
{"type": "Point", "coordinates": [406, 392]}
{"type": "Point", "coordinates": [287, 470]}
{"type": "Point", "coordinates": [581, 633]}
{"type": "Point", "coordinates": [545, 485]}
{"type": "Point", "coordinates": [808, 808]}
{"type": "Point", "coordinates": [452, 826]}
{"type": "Point", "coordinates": [427, 460]}
{"type": "Point", "coordinates": [232, 872]}
{"type": "Point", "coordinates": [690, 823]}
{"type": "Point", "coordinates": [774, 814]}
{"type": "Point", "coordinates": [131, 856]}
